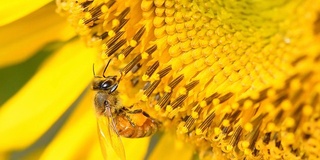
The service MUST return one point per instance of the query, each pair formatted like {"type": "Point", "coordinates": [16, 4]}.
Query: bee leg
{"type": "Point", "coordinates": [130, 120]}
{"type": "Point", "coordinates": [132, 111]}
{"type": "Point", "coordinates": [158, 123]}
{"type": "Point", "coordinates": [137, 111]}
{"type": "Point", "coordinates": [146, 114]}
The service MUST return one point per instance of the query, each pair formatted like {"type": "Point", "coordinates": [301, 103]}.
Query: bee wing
{"type": "Point", "coordinates": [109, 136]}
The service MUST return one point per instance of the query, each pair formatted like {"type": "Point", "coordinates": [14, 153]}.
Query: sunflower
{"type": "Point", "coordinates": [225, 79]}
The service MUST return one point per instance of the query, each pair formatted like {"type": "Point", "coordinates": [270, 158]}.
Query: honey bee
{"type": "Point", "coordinates": [115, 120]}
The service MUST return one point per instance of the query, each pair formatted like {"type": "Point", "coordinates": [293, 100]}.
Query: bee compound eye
{"type": "Point", "coordinates": [113, 88]}
{"type": "Point", "coordinates": [106, 84]}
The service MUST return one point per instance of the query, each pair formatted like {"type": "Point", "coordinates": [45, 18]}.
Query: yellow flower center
{"type": "Point", "coordinates": [240, 78]}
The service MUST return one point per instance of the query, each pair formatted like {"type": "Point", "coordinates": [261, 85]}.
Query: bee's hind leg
{"type": "Point", "coordinates": [138, 111]}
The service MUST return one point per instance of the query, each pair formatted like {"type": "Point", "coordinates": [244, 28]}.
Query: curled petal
{"type": "Point", "coordinates": [22, 38]}
{"type": "Point", "coordinates": [31, 112]}
{"type": "Point", "coordinates": [20, 8]}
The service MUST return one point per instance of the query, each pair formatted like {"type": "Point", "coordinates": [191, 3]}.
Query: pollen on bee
{"type": "Point", "coordinates": [138, 119]}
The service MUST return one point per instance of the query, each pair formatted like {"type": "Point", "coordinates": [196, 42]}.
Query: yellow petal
{"type": "Point", "coordinates": [95, 152]}
{"type": "Point", "coordinates": [78, 133]}
{"type": "Point", "coordinates": [29, 113]}
{"type": "Point", "coordinates": [170, 148]}
{"type": "Point", "coordinates": [136, 148]}
{"type": "Point", "coordinates": [15, 9]}
{"type": "Point", "coordinates": [22, 38]}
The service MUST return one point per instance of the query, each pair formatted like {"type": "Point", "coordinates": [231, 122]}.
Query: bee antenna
{"type": "Point", "coordinates": [104, 71]}
{"type": "Point", "coordinates": [121, 74]}
{"type": "Point", "coordinates": [94, 73]}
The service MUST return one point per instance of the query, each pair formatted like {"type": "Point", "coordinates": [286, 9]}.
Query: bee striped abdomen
{"type": "Point", "coordinates": [128, 129]}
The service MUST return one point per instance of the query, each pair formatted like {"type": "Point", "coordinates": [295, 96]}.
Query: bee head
{"type": "Point", "coordinates": [109, 83]}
